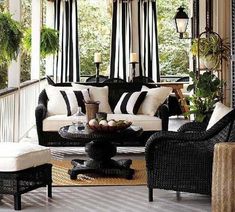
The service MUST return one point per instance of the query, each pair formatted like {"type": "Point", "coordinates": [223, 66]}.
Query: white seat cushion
{"type": "Point", "coordinates": [148, 123]}
{"type": "Point", "coordinates": [19, 156]}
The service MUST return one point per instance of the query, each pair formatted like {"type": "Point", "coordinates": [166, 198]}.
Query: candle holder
{"type": "Point", "coordinates": [97, 66]}
{"type": "Point", "coordinates": [133, 64]}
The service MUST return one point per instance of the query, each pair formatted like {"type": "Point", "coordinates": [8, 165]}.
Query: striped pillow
{"type": "Point", "coordinates": [129, 103]}
{"type": "Point", "coordinates": [75, 99]}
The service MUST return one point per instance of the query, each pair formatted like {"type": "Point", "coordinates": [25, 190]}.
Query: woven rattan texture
{"type": "Point", "coordinates": [115, 92]}
{"type": "Point", "coordinates": [182, 161]}
{"type": "Point", "coordinates": [25, 180]}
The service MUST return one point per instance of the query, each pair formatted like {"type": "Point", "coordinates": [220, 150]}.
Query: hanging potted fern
{"type": "Point", "coordinates": [10, 38]}
{"type": "Point", "coordinates": [49, 44]}
{"type": "Point", "coordinates": [211, 50]}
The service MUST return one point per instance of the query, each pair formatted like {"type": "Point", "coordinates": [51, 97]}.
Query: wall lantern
{"type": "Point", "coordinates": [181, 21]}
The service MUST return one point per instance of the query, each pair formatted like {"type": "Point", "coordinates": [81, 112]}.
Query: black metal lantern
{"type": "Point", "coordinates": [181, 21]}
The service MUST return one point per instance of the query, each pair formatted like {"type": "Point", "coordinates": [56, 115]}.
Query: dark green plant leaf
{"type": "Point", "coordinates": [10, 38]}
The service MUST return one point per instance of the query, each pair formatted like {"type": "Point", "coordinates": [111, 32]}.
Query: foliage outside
{"type": "Point", "coordinates": [207, 91]}
{"type": "Point", "coordinates": [94, 19]}
{"type": "Point", "coordinates": [173, 52]}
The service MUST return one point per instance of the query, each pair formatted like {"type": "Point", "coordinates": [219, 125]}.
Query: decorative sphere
{"type": "Point", "coordinates": [112, 123]}
{"type": "Point", "coordinates": [103, 122]}
{"type": "Point", "coordinates": [93, 122]}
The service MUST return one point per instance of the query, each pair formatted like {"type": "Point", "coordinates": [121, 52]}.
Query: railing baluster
{"type": "Point", "coordinates": [18, 102]}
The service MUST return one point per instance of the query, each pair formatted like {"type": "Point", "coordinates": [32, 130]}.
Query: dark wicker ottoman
{"type": "Point", "coordinates": [23, 168]}
{"type": "Point", "coordinates": [20, 182]}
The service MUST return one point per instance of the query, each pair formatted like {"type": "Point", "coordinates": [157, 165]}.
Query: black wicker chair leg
{"type": "Point", "coordinates": [178, 195]}
{"type": "Point", "coordinates": [49, 190]}
{"type": "Point", "coordinates": [17, 202]}
{"type": "Point", "coordinates": [150, 194]}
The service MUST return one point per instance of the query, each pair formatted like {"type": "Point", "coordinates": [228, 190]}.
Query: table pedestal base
{"type": "Point", "coordinates": [120, 168]}
{"type": "Point", "coordinates": [100, 153]}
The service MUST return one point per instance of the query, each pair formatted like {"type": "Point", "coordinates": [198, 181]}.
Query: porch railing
{"type": "Point", "coordinates": [17, 110]}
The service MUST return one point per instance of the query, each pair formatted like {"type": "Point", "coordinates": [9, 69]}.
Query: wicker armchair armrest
{"type": "Point", "coordinates": [163, 114]}
{"type": "Point", "coordinates": [40, 114]}
{"type": "Point", "coordinates": [193, 127]}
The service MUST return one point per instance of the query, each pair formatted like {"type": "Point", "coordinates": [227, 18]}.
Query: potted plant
{"type": "Point", "coordinates": [49, 41]}
{"type": "Point", "coordinates": [10, 38]}
{"type": "Point", "coordinates": [207, 91]}
{"type": "Point", "coordinates": [211, 50]}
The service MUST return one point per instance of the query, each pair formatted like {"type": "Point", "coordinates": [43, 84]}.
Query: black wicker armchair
{"type": "Point", "coordinates": [182, 161]}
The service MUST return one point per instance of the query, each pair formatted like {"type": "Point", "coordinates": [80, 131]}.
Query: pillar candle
{"type": "Point", "coordinates": [134, 58]}
{"type": "Point", "coordinates": [97, 57]}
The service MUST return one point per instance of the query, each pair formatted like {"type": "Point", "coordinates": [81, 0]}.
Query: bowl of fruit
{"type": "Point", "coordinates": [108, 125]}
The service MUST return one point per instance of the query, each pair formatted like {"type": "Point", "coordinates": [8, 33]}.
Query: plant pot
{"type": "Point", "coordinates": [211, 62]}
{"type": "Point", "coordinates": [91, 110]}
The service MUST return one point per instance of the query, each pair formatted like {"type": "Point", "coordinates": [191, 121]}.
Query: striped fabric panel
{"type": "Point", "coordinates": [129, 103]}
{"type": "Point", "coordinates": [121, 40]}
{"type": "Point", "coordinates": [75, 99]}
{"type": "Point", "coordinates": [148, 40]}
{"type": "Point", "coordinates": [66, 62]}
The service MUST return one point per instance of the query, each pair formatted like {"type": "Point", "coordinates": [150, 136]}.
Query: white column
{"type": "Point", "coordinates": [14, 68]}
{"type": "Point", "coordinates": [36, 26]}
{"type": "Point", "coordinates": [49, 23]}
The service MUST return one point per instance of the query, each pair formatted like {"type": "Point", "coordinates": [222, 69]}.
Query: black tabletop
{"type": "Point", "coordinates": [88, 133]}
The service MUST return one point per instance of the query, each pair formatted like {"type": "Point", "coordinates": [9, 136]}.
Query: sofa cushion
{"type": "Point", "coordinates": [129, 103]}
{"type": "Point", "coordinates": [75, 99]}
{"type": "Point", "coordinates": [19, 156]}
{"type": "Point", "coordinates": [219, 112]}
{"type": "Point", "coordinates": [100, 94]}
{"type": "Point", "coordinates": [65, 100]}
{"type": "Point", "coordinates": [154, 98]}
{"type": "Point", "coordinates": [148, 123]}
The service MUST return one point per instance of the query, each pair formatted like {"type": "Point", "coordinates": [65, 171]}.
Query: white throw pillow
{"type": "Point", "coordinates": [129, 103]}
{"type": "Point", "coordinates": [100, 94]}
{"type": "Point", "coordinates": [219, 112]}
{"type": "Point", "coordinates": [65, 100]}
{"type": "Point", "coordinates": [154, 98]}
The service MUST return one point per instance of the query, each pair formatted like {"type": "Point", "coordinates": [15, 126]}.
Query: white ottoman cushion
{"type": "Point", "coordinates": [19, 156]}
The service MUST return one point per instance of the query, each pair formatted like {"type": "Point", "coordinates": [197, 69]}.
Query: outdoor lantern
{"type": "Point", "coordinates": [181, 21]}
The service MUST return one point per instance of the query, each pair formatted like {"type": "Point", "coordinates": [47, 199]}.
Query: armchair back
{"type": "Point", "coordinates": [182, 161]}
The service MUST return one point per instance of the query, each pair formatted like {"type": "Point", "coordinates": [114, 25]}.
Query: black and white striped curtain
{"type": "Point", "coordinates": [66, 63]}
{"type": "Point", "coordinates": [121, 40]}
{"type": "Point", "coordinates": [148, 40]}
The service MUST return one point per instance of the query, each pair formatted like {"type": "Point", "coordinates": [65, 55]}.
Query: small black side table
{"type": "Point", "coordinates": [100, 150]}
